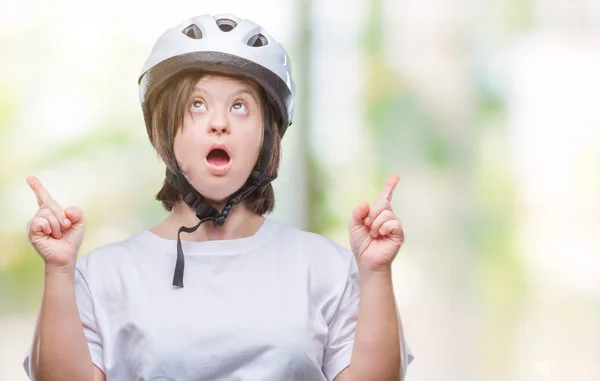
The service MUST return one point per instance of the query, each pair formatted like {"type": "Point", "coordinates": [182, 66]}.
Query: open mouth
{"type": "Point", "coordinates": [218, 157]}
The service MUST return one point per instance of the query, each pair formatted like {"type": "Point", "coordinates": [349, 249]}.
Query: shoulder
{"type": "Point", "coordinates": [111, 255]}
{"type": "Point", "coordinates": [329, 268]}
{"type": "Point", "coordinates": [316, 247]}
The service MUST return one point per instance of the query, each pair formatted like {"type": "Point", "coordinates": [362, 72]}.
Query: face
{"type": "Point", "coordinates": [219, 142]}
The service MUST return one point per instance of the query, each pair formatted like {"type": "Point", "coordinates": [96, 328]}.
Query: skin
{"type": "Point", "coordinates": [376, 236]}
{"type": "Point", "coordinates": [224, 111]}
{"type": "Point", "coordinates": [59, 350]}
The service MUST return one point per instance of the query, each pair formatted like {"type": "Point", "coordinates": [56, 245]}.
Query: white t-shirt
{"type": "Point", "coordinates": [279, 305]}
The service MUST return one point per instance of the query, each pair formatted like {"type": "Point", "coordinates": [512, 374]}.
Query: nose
{"type": "Point", "coordinates": [218, 125]}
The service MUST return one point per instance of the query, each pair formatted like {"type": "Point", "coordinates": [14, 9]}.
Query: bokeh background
{"type": "Point", "coordinates": [489, 110]}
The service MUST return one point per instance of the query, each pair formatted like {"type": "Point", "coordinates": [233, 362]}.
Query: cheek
{"type": "Point", "coordinates": [252, 147]}
{"type": "Point", "coordinates": [185, 147]}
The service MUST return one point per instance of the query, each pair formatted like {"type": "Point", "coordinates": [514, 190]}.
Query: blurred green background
{"type": "Point", "coordinates": [488, 110]}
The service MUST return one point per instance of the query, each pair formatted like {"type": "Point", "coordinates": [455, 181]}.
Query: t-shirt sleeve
{"type": "Point", "coordinates": [342, 327]}
{"type": "Point", "coordinates": [85, 306]}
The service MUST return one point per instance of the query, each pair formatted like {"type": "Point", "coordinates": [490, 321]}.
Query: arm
{"type": "Point", "coordinates": [60, 350]}
{"type": "Point", "coordinates": [377, 349]}
{"type": "Point", "coordinates": [376, 236]}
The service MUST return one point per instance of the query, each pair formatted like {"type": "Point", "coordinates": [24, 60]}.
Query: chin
{"type": "Point", "coordinates": [218, 189]}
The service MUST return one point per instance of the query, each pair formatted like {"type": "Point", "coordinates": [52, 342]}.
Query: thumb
{"type": "Point", "coordinates": [74, 214]}
{"type": "Point", "coordinates": [359, 214]}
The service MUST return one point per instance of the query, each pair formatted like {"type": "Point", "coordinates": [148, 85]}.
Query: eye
{"type": "Point", "coordinates": [239, 108]}
{"type": "Point", "coordinates": [197, 106]}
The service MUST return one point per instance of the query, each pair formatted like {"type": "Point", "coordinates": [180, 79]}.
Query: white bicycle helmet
{"type": "Point", "coordinates": [223, 44]}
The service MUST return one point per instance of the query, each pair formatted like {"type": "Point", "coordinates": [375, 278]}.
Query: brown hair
{"type": "Point", "coordinates": [175, 96]}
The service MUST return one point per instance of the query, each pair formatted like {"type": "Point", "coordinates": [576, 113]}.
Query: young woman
{"type": "Point", "coordinates": [217, 291]}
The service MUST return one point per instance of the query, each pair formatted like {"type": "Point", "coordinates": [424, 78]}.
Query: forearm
{"type": "Point", "coordinates": [60, 350]}
{"type": "Point", "coordinates": [377, 352]}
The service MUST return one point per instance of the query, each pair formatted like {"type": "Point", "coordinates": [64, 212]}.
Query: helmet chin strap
{"type": "Point", "coordinates": [204, 210]}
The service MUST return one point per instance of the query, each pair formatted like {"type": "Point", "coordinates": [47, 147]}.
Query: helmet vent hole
{"type": "Point", "coordinates": [258, 40]}
{"type": "Point", "coordinates": [226, 25]}
{"type": "Point", "coordinates": [193, 31]}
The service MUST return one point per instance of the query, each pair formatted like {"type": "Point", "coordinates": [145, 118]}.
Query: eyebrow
{"type": "Point", "coordinates": [238, 92]}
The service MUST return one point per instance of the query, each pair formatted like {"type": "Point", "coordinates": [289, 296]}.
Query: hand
{"type": "Point", "coordinates": [376, 234]}
{"type": "Point", "coordinates": [55, 234]}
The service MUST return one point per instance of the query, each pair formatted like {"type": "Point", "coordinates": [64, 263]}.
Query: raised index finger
{"type": "Point", "coordinates": [43, 197]}
{"type": "Point", "coordinates": [388, 189]}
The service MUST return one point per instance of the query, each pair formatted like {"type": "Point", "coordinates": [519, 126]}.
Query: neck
{"type": "Point", "coordinates": [240, 223]}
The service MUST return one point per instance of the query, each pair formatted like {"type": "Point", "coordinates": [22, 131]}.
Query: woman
{"type": "Point", "coordinates": [261, 300]}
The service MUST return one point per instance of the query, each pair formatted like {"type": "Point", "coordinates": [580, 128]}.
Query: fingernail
{"type": "Point", "coordinates": [367, 220]}
{"type": "Point", "coordinates": [67, 222]}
